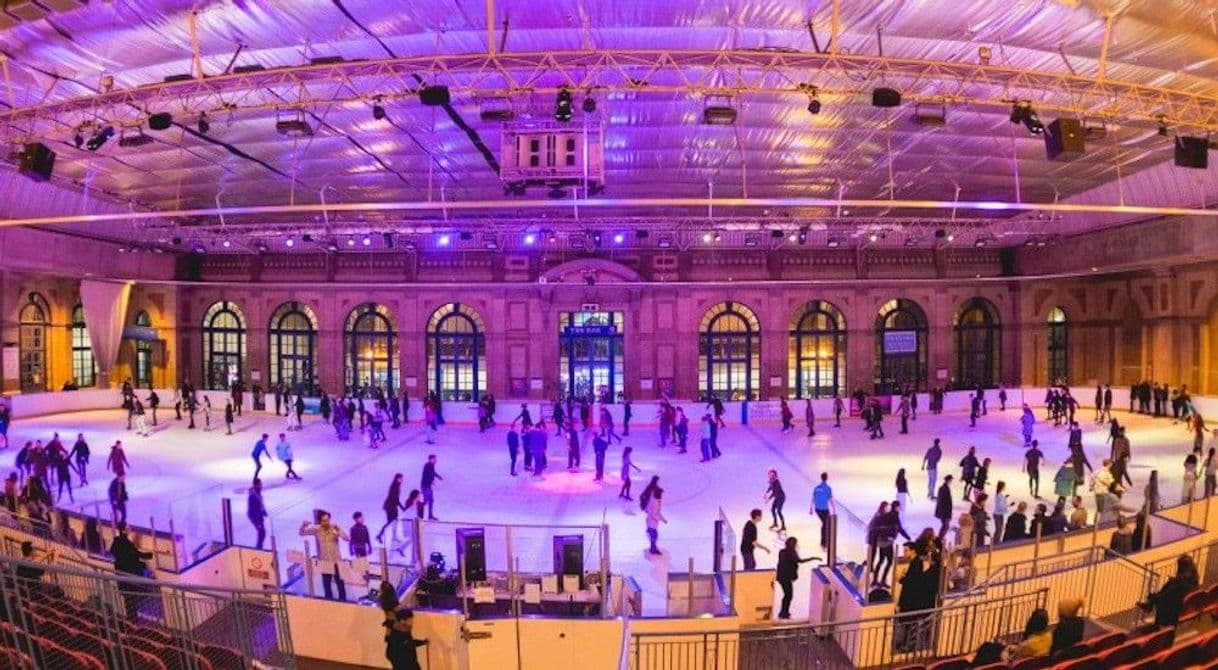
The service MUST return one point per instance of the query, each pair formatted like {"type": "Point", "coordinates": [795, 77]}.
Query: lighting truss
{"type": "Point", "coordinates": [740, 72]}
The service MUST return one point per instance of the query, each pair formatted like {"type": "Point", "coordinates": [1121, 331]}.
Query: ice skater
{"type": "Point", "coordinates": [839, 407]}
{"type": "Point", "coordinates": [627, 465]}
{"type": "Point", "coordinates": [80, 455]}
{"type": "Point", "coordinates": [1031, 465]}
{"type": "Point", "coordinates": [426, 484]}
{"type": "Point", "coordinates": [255, 511]}
{"type": "Point", "coordinates": [228, 417]}
{"type": "Point", "coordinates": [391, 506]}
{"type": "Point", "coordinates": [206, 413]}
{"type": "Point", "coordinates": [777, 497]}
{"type": "Point", "coordinates": [260, 450]}
{"type": "Point", "coordinates": [117, 461]}
{"type": "Point", "coordinates": [606, 421]}
{"type": "Point", "coordinates": [810, 417]}
{"type": "Point", "coordinates": [141, 423]}
{"type": "Point", "coordinates": [284, 449]}
{"type": "Point", "coordinates": [513, 444]}
{"type": "Point", "coordinates": [650, 501]}
{"type": "Point", "coordinates": [599, 447]}
{"type": "Point", "coordinates": [930, 463]}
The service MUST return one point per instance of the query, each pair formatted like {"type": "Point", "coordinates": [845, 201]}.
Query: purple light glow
{"type": "Point", "coordinates": [618, 238]}
{"type": "Point", "coordinates": [530, 239]}
{"type": "Point", "coordinates": [993, 205]}
{"type": "Point", "coordinates": [444, 240]}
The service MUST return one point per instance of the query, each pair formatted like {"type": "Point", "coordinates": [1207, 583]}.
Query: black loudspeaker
{"type": "Point", "coordinates": [1006, 258]}
{"type": "Point", "coordinates": [569, 556]}
{"type": "Point", "coordinates": [434, 96]}
{"type": "Point", "coordinates": [471, 548]}
{"type": "Point", "coordinates": [36, 161]}
{"type": "Point", "coordinates": [1192, 152]}
{"type": "Point", "coordinates": [885, 97]}
{"type": "Point", "coordinates": [160, 121]}
{"type": "Point", "coordinates": [1064, 140]}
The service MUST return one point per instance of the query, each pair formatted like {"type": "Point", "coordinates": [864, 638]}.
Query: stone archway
{"type": "Point", "coordinates": [597, 270]}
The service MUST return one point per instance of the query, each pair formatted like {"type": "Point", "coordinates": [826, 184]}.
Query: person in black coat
{"type": "Point", "coordinates": [1070, 626]}
{"type": "Point", "coordinates": [401, 647]}
{"type": "Point", "coordinates": [787, 573]}
{"type": "Point", "coordinates": [943, 505]}
{"type": "Point", "coordinates": [919, 593]}
{"type": "Point", "coordinates": [1169, 600]}
{"type": "Point", "coordinates": [129, 560]}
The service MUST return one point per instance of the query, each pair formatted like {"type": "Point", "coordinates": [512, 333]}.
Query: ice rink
{"type": "Point", "coordinates": [183, 474]}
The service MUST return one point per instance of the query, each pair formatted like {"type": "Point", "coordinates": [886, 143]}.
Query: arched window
{"type": "Point", "coordinates": [223, 345]}
{"type": "Point", "coordinates": [371, 345]}
{"type": "Point", "coordinates": [978, 344]}
{"type": "Point", "coordinates": [1059, 356]}
{"type": "Point", "coordinates": [293, 347]}
{"type": "Point", "coordinates": [143, 354]}
{"type": "Point", "coordinates": [33, 341]}
{"type": "Point", "coordinates": [456, 350]}
{"type": "Point", "coordinates": [84, 368]}
{"type": "Point", "coordinates": [729, 353]}
{"type": "Point", "coordinates": [816, 353]}
{"type": "Point", "coordinates": [900, 347]}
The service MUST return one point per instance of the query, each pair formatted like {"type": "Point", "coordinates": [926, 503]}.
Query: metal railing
{"type": "Point", "coordinates": [881, 642]}
{"type": "Point", "coordinates": [55, 618]}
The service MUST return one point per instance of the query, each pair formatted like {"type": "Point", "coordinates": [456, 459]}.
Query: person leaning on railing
{"type": "Point", "coordinates": [1169, 600]}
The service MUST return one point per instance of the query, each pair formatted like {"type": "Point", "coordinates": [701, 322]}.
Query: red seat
{"type": "Point", "coordinates": [1034, 663]}
{"type": "Point", "coordinates": [1106, 642]}
{"type": "Point", "coordinates": [1208, 644]}
{"type": "Point", "coordinates": [227, 659]}
{"type": "Point", "coordinates": [1177, 657]}
{"type": "Point", "coordinates": [1157, 641]}
{"type": "Point", "coordinates": [1194, 602]}
{"type": "Point", "coordinates": [1121, 654]}
{"type": "Point", "coordinates": [1148, 663]}
{"type": "Point", "coordinates": [991, 666]}
{"type": "Point", "coordinates": [1091, 662]}
{"type": "Point", "coordinates": [1076, 651]}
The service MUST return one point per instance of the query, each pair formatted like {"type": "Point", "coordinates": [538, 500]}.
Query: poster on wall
{"type": "Point", "coordinates": [412, 382]}
{"type": "Point", "coordinates": [11, 363]}
{"type": "Point", "coordinates": [536, 384]}
{"type": "Point", "coordinates": [900, 342]}
{"type": "Point", "coordinates": [519, 387]}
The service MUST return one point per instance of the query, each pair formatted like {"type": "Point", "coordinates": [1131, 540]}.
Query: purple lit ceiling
{"type": "Point", "coordinates": [655, 145]}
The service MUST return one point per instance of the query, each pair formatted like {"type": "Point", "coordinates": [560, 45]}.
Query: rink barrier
{"type": "Point", "coordinates": [875, 642]}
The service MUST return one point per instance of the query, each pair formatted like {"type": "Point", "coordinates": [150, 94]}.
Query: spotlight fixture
{"type": "Point", "coordinates": [261, 247]}
{"type": "Point", "coordinates": [752, 240]}
{"type": "Point", "coordinates": [99, 138]}
{"type": "Point", "coordinates": [885, 97]}
{"type": "Point", "coordinates": [530, 239]}
{"type": "Point", "coordinates": [198, 248]}
{"type": "Point", "coordinates": [984, 53]}
{"type": "Point", "coordinates": [490, 242]}
{"type": "Point", "coordinates": [930, 115]}
{"type": "Point", "coordinates": [814, 94]}
{"type": "Point", "coordinates": [204, 124]}
{"type": "Point", "coordinates": [596, 238]}
{"type": "Point", "coordinates": [434, 96]}
{"type": "Point", "coordinates": [137, 139]}
{"type": "Point", "coordinates": [803, 235]}
{"type": "Point", "coordinates": [378, 112]}
{"type": "Point", "coordinates": [814, 106]}
{"type": "Point", "coordinates": [1162, 125]}
{"type": "Point", "coordinates": [911, 241]}
{"type": "Point", "coordinates": [290, 242]}
{"type": "Point", "coordinates": [1022, 112]}
{"type": "Point", "coordinates": [664, 241]}
{"type": "Point", "coordinates": [496, 109]}
{"type": "Point", "coordinates": [351, 241]}
{"type": "Point", "coordinates": [367, 240]}
{"type": "Point", "coordinates": [294, 127]}
{"type": "Point", "coordinates": [707, 237]}
{"type": "Point", "coordinates": [979, 243]}
{"type": "Point", "coordinates": [642, 233]}
{"type": "Point", "coordinates": [177, 241]}
{"type": "Point", "coordinates": [873, 237]}
{"type": "Point", "coordinates": [589, 105]}
{"type": "Point", "coordinates": [227, 243]}
{"type": "Point", "coordinates": [332, 246]}
{"type": "Point", "coordinates": [716, 237]}
{"type": "Point", "coordinates": [834, 243]}
{"type": "Point", "coordinates": [552, 237]}
{"type": "Point", "coordinates": [562, 105]}
{"type": "Point", "coordinates": [951, 237]}
{"type": "Point", "coordinates": [444, 240]}
{"type": "Point", "coordinates": [618, 238]}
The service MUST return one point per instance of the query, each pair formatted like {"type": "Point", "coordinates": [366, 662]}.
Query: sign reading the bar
{"type": "Point", "coordinates": [900, 342]}
{"type": "Point", "coordinates": [590, 331]}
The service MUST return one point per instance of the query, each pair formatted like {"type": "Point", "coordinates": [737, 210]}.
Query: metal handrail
{"type": "Point", "coordinates": [59, 539]}
{"type": "Point", "coordinates": [1002, 575]}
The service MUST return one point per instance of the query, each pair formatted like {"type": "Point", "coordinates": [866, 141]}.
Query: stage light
{"type": "Point", "coordinates": [226, 243]}
{"type": "Point", "coordinates": [261, 247]}
{"type": "Point", "coordinates": [834, 243]}
{"type": "Point", "coordinates": [294, 127]}
{"type": "Point", "coordinates": [351, 241]}
{"type": "Point", "coordinates": [204, 124]}
{"type": "Point", "coordinates": [290, 242]}
{"type": "Point", "coordinates": [435, 96]}
{"type": "Point", "coordinates": [552, 238]}
{"type": "Point", "coordinates": [530, 239]}
{"type": "Point", "coordinates": [122, 250]}
{"type": "Point", "coordinates": [911, 241]}
{"type": "Point", "coordinates": [589, 105]}
{"type": "Point", "coordinates": [78, 139]}
{"type": "Point", "coordinates": [1162, 125]}
{"type": "Point", "coordinates": [332, 246]}
{"type": "Point", "coordinates": [139, 139]}
{"type": "Point", "coordinates": [562, 105]}
{"type": "Point", "coordinates": [930, 115]}
{"type": "Point", "coordinates": [490, 242]}
{"type": "Point", "coordinates": [874, 237]}
{"type": "Point", "coordinates": [979, 243]}
{"type": "Point", "coordinates": [803, 235]}
{"type": "Point", "coordinates": [198, 248]}
{"type": "Point", "coordinates": [444, 240]}
{"type": "Point", "coordinates": [378, 112]}
{"type": "Point", "coordinates": [717, 236]}
{"type": "Point", "coordinates": [1032, 122]}
{"type": "Point", "coordinates": [752, 240]}
{"type": "Point", "coordinates": [951, 237]}
{"type": "Point", "coordinates": [665, 241]}
{"type": "Point", "coordinates": [814, 106]}
{"type": "Point", "coordinates": [719, 115]}
{"type": "Point", "coordinates": [984, 53]}
{"type": "Point", "coordinates": [596, 238]}
{"type": "Point", "coordinates": [367, 240]}
{"type": "Point", "coordinates": [99, 138]}
{"type": "Point", "coordinates": [618, 238]}
{"type": "Point", "coordinates": [707, 237]}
